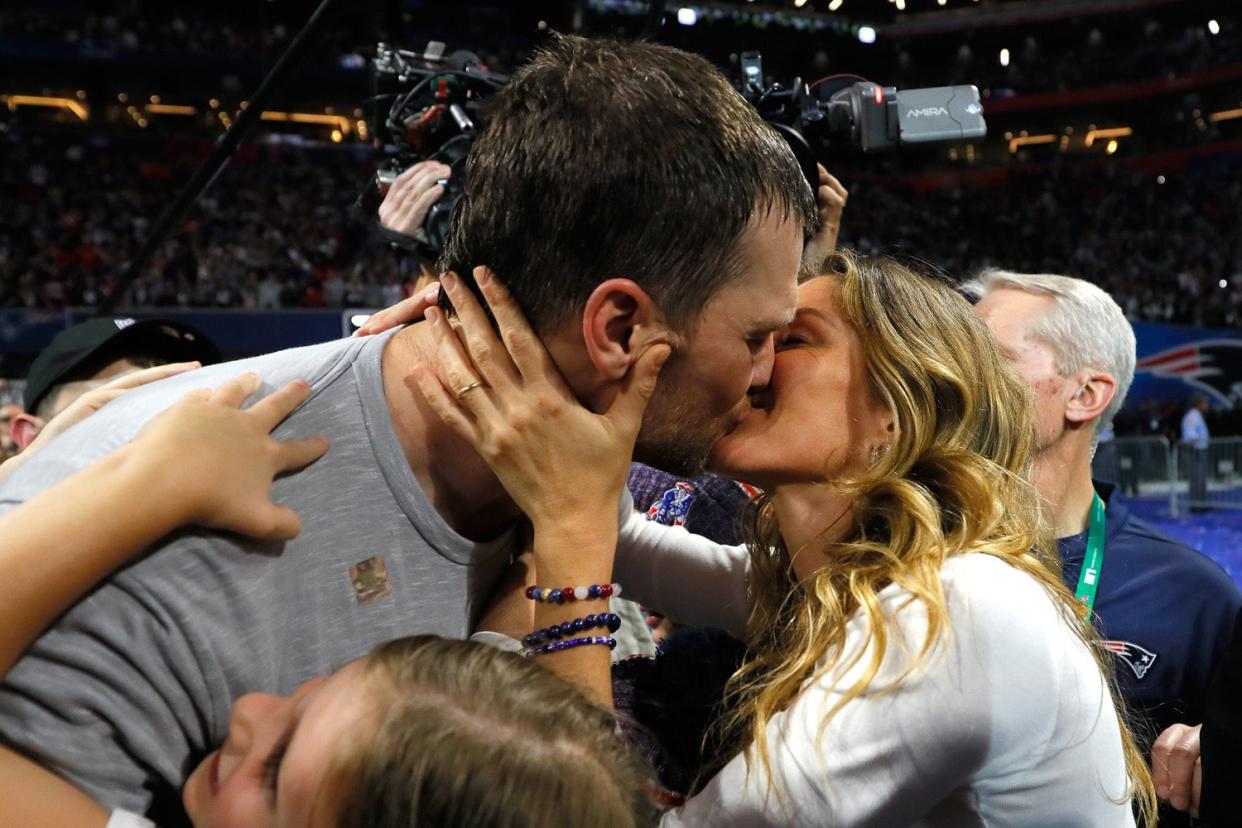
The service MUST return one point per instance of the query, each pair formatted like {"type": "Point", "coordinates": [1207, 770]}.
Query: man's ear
{"type": "Point", "coordinates": [620, 321]}
{"type": "Point", "coordinates": [1093, 396]}
{"type": "Point", "coordinates": [24, 429]}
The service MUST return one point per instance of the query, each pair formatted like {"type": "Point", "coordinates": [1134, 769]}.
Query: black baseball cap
{"type": "Point", "coordinates": [74, 347]}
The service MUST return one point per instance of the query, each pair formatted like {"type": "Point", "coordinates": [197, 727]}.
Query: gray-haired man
{"type": "Point", "coordinates": [1164, 610]}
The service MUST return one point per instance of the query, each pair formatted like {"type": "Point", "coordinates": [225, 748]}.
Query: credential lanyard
{"type": "Point", "coordinates": [1089, 580]}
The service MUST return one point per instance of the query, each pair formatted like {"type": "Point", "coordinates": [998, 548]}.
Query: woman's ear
{"type": "Point", "coordinates": [885, 433]}
{"type": "Point", "coordinates": [620, 321]}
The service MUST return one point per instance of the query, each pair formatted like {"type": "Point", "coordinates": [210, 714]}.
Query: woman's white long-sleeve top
{"type": "Point", "coordinates": [1007, 723]}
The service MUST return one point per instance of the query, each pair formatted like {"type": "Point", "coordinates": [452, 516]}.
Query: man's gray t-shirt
{"type": "Point", "coordinates": [132, 686]}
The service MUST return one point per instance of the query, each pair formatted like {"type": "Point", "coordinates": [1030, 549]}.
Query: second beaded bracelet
{"type": "Point", "coordinates": [604, 619]}
{"type": "Point", "coordinates": [569, 643]}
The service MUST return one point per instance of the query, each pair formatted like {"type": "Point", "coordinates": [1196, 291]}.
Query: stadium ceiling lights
{"type": "Point", "coordinates": [1116, 132]}
{"type": "Point", "coordinates": [1111, 135]}
{"type": "Point", "coordinates": [866, 34]}
{"type": "Point", "coordinates": [341, 123]}
{"type": "Point", "coordinates": [69, 104]}
{"type": "Point", "coordinates": [170, 109]}
{"type": "Point", "coordinates": [1026, 140]}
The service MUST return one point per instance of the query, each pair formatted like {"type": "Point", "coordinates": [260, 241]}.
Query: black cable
{"type": "Point", "coordinates": [396, 114]}
{"type": "Point", "coordinates": [211, 167]}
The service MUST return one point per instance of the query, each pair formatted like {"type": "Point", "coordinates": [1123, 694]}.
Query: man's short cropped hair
{"type": "Point", "coordinates": [1085, 327]}
{"type": "Point", "coordinates": [606, 159]}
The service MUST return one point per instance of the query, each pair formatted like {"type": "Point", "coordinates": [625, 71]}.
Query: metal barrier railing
{"type": "Point", "coordinates": [1139, 466]}
{"type": "Point", "coordinates": [1210, 478]}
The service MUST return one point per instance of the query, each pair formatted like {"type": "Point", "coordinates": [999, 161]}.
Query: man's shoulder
{"type": "Point", "coordinates": [1142, 537]}
{"type": "Point", "coordinates": [318, 364]}
{"type": "Point", "coordinates": [118, 422]}
{"type": "Point", "coordinates": [1186, 568]}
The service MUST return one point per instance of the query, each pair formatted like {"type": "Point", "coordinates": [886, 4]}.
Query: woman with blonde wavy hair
{"type": "Point", "coordinates": [913, 657]}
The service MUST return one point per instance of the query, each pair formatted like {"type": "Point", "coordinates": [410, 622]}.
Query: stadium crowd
{"type": "Point", "coordinates": [1161, 245]}
{"type": "Point", "coordinates": [234, 32]}
{"type": "Point", "coordinates": [1065, 54]}
{"type": "Point", "coordinates": [279, 229]}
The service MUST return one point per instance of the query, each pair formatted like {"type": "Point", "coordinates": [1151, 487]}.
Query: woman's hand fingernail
{"type": "Point", "coordinates": [433, 294]}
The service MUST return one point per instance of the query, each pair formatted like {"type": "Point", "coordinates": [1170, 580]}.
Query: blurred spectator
{"type": "Point", "coordinates": [88, 355]}
{"type": "Point", "coordinates": [1194, 447]}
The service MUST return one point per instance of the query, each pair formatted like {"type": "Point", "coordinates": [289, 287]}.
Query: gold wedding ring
{"type": "Point", "coordinates": [463, 392]}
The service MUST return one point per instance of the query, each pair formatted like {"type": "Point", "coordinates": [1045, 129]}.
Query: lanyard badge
{"type": "Point", "coordinates": [1089, 579]}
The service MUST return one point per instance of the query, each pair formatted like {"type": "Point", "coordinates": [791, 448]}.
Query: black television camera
{"type": "Point", "coordinates": [859, 114]}
{"type": "Point", "coordinates": [437, 102]}
{"type": "Point", "coordinates": [433, 115]}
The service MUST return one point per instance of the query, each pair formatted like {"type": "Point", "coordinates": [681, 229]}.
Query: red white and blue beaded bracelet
{"type": "Point", "coordinates": [570, 594]}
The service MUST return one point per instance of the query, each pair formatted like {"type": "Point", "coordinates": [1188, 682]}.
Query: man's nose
{"type": "Point", "coordinates": [761, 372]}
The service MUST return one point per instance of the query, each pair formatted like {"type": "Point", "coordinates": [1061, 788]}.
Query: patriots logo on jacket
{"type": "Point", "coordinates": [1138, 658]}
{"type": "Point", "coordinates": [671, 509]}
{"type": "Point", "coordinates": [1213, 366]}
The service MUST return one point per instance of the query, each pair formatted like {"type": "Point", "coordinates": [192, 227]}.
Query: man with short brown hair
{"type": "Point", "coordinates": [631, 179]}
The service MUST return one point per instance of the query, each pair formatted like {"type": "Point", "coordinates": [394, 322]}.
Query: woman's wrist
{"type": "Point", "coordinates": [578, 549]}
{"type": "Point", "coordinates": [576, 518]}
{"type": "Point", "coordinates": [567, 515]}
